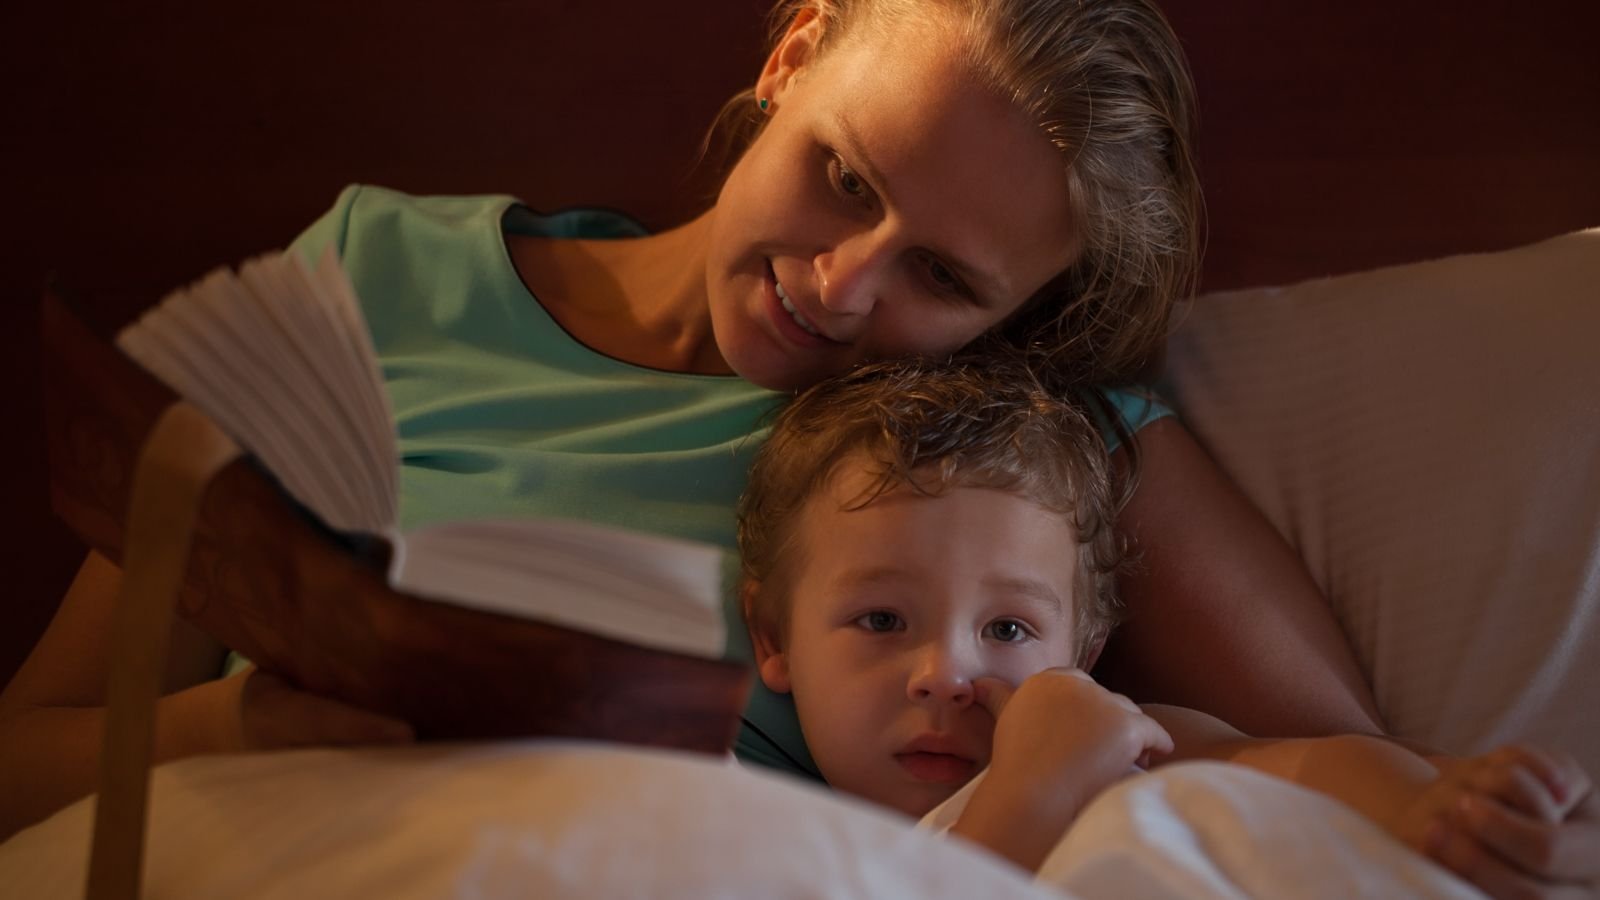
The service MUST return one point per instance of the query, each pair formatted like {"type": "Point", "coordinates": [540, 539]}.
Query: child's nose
{"type": "Point", "coordinates": [941, 677]}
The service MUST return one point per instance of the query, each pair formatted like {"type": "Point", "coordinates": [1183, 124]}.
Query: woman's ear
{"type": "Point", "coordinates": [771, 663]}
{"type": "Point", "coordinates": [797, 48]}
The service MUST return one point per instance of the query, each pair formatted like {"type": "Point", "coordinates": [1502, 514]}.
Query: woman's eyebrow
{"type": "Point", "coordinates": [987, 288]}
{"type": "Point", "coordinates": [852, 139]}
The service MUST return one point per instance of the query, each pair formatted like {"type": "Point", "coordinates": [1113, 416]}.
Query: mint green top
{"type": "Point", "coordinates": [500, 412]}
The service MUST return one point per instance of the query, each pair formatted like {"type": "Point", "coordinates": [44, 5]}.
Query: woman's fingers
{"type": "Point", "coordinates": [1548, 854]}
{"type": "Point", "coordinates": [1457, 851]}
{"type": "Point", "coordinates": [1566, 781]}
{"type": "Point", "coordinates": [1526, 843]}
{"type": "Point", "coordinates": [318, 720]}
{"type": "Point", "coordinates": [275, 714]}
{"type": "Point", "coordinates": [1571, 785]}
{"type": "Point", "coordinates": [1510, 779]}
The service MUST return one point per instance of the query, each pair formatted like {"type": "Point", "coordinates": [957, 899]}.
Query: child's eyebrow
{"type": "Point", "coordinates": [1031, 590]}
{"type": "Point", "coordinates": [870, 576]}
{"type": "Point", "coordinates": [1027, 589]}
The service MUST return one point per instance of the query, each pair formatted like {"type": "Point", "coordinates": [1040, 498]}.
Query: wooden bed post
{"type": "Point", "coordinates": [176, 465]}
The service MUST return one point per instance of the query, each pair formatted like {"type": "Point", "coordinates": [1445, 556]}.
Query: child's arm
{"type": "Point", "coordinates": [52, 713]}
{"type": "Point", "coordinates": [1059, 739]}
{"type": "Point", "coordinates": [1514, 822]}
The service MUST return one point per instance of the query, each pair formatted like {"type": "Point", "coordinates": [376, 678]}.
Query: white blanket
{"type": "Point", "coordinates": [559, 819]}
{"type": "Point", "coordinates": [1212, 831]}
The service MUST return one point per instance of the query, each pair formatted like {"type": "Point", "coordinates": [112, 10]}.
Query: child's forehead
{"type": "Point", "coordinates": [961, 542]}
{"type": "Point", "coordinates": [860, 479]}
{"type": "Point", "coordinates": [859, 483]}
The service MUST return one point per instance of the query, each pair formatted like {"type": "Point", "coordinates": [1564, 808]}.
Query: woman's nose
{"type": "Point", "coordinates": [943, 677]}
{"type": "Point", "coordinates": [850, 276]}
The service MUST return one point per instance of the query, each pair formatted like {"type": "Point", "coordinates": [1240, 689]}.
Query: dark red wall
{"type": "Point", "coordinates": [144, 143]}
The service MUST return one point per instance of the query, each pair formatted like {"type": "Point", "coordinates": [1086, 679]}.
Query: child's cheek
{"type": "Point", "coordinates": [1015, 668]}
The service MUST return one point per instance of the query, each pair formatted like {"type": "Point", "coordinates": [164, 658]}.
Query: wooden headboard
{"type": "Point", "coordinates": [148, 142]}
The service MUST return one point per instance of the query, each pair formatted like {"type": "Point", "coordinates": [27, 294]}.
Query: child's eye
{"type": "Point", "coordinates": [879, 621]}
{"type": "Point", "coordinates": [1007, 631]}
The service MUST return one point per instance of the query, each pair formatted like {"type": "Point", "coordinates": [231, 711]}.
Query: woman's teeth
{"type": "Point", "coordinates": [800, 320]}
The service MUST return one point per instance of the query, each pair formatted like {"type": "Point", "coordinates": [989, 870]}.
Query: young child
{"type": "Point", "coordinates": [928, 570]}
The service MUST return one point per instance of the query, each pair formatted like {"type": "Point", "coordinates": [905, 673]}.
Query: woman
{"type": "Point", "coordinates": [897, 198]}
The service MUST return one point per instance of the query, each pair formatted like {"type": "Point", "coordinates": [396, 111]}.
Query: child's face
{"type": "Point", "coordinates": [895, 608]}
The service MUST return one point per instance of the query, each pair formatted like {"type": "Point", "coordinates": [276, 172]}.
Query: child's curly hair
{"type": "Point", "coordinates": [933, 426]}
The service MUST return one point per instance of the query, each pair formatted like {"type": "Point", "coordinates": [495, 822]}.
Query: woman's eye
{"type": "Point", "coordinates": [846, 179]}
{"type": "Point", "coordinates": [1007, 631]}
{"type": "Point", "coordinates": [943, 279]}
{"type": "Point", "coordinates": [850, 182]}
{"type": "Point", "coordinates": [879, 621]}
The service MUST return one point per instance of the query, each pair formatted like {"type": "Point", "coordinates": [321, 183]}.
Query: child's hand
{"type": "Point", "coordinates": [1517, 822]}
{"type": "Point", "coordinates": [1059, 739]}
{"type": "Point", "coordinates": [270, 714]}
{"type": "Point", "coordinates": [1063, 738]}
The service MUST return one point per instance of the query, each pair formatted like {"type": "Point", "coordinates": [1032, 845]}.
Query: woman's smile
{"type": "Point", "coordinates": [788, 305]}
{"type": "Point", "coordinates": [791, 323]}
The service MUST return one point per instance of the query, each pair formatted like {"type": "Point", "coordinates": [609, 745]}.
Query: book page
{"type": "Point", "coordinates": [645, 589]}
{"type": "Point", "coordinates": [280, 358]}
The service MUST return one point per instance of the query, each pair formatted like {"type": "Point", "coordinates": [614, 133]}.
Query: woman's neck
{"type": "Point", "coordinates": [640, 300]}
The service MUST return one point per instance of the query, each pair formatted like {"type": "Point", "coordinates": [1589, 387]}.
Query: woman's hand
{"type": "Point", "coordinates": [1516, 822]}
{"type": "Point", "coordinates": [269, 714]}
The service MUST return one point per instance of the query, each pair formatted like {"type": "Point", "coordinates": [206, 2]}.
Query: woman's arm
{"type": "Point", "coordinates": [1515, 822]}
{"type": "Point", "coordinates": [52, 714]}
{"type": "Point", "coordinates": [1222, 615]}
{"type": "Point", "coordinates": [1372, 775]}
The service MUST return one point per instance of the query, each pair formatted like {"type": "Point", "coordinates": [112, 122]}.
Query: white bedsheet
{"type": "Point", "coordinates": [1211, 831]}
{"type": "Point", "coordinates": [558, 819]}
{"type": "Point", "coordinates": [538, 819]}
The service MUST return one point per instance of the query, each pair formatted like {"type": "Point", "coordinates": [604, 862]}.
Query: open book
{"type": "Point", "coordinates": [466, 629]}
{"type": "Point", "coordinates": [278, 356]}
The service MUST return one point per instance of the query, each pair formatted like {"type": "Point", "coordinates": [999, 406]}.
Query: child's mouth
{"type": "Point", "coordinates": [940, 768]}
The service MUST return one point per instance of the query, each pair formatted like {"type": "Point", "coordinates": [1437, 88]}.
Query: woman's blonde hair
{"type": "Point", "coordinates": [1107, 83]}
{"type": "Point", "coordinates": [932, 427]}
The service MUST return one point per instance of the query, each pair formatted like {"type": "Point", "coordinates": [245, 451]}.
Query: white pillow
{"type": "Point", "coordinates": [1428, 437]}
{"type": "Point", "coordinates": [564, 819]}
{"type": "Point", "coordinates": [546, 819]}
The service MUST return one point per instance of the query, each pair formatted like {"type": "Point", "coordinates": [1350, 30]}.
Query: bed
{"type": "Point", "coordinates": [1425, 433]}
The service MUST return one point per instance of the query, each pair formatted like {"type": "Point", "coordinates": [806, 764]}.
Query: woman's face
{"type": "Point", "coordinates": [890, 207]}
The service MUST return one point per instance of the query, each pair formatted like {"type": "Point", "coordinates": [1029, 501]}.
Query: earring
{"type": "Point", "coordinates": [764, 103]}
